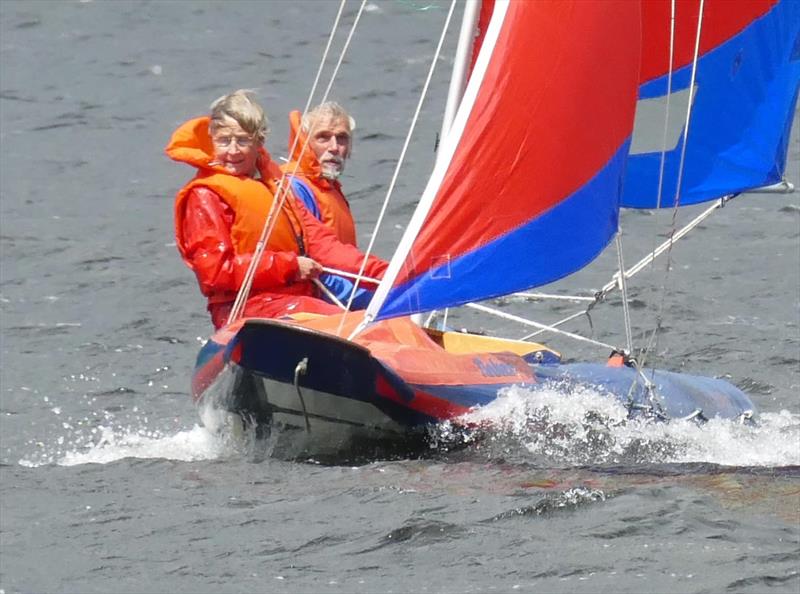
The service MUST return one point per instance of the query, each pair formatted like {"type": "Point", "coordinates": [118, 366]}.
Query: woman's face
{"type": "Point", "coordinates": [235, 149]}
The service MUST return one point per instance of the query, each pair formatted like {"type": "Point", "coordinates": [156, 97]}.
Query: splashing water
{"type": "Point", "coordinates": [115, 443]}
{"type": "Point", "coordinates": [106, 438]}
{"type": "Point", "coordinates": [581, 426]}
{"type": "Point", "coordinates": [91, 442]}
{"type": "Point", "coordinates": [550, 427]}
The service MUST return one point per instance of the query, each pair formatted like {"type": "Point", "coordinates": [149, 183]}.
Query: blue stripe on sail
{"type": "Point", "coordinates": [658, 87]}
{"type": "Point", "coordinates": [555, 244]}
{"type": "Point", "coordinates": [746, 92]}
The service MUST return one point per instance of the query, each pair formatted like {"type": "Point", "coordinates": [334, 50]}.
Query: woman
{"type": "Point", "coordinates": [220, 214]}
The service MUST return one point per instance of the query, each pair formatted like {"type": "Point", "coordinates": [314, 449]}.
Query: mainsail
{"type": "Point", "coordinates": [743, 99]}
{"type": "Point", "coordinates": [527, 189]}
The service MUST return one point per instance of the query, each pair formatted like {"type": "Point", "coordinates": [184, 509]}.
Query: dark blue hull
{"type": "Point", "coordinates": [329, 393]}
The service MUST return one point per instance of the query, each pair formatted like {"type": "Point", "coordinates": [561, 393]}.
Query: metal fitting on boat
{"type": "Point", "coordinates": [746, 417]}
{"type": "Point", "coordinates": [696, 415]}
{"type": "Point", "coordinates": [300, 369]}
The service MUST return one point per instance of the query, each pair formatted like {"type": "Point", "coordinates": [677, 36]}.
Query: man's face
{"type": "Point", "coordinates": [330, 141]}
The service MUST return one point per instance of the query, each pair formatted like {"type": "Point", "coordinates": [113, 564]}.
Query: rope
{"type": "Point", "coordinates": [558, 323]}
{"type": "Point", "coordinates": [692, 80]}
{"type": "Point", "coordinates": [277, 203]}
{"type": "Point", "coordinates": [653, 341]}
{"type": "Point", "coordinates": [327, 292]}
{"type": "Point", "coordinates": [543, 296]}
{"type": "Point", "coordinates": [518, 319]}
{"type": "Point", "coordinates": [343, 52]}
{"type": "Point", "coordinates": [639, 266]}
{"type": "Point", "coordinates": [346, 274]}
{"type": "Point", "coordinates": [669, 93]}
{"type": "Point", "coordinates": [283, 189]}
{"type": "Point", "coordinates": [396, 173]}
{"type": "Point", "coordinates": [623, 287]}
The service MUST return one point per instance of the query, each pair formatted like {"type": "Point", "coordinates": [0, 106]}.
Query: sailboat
{"type": "Point", "coordinates": [550, 133]}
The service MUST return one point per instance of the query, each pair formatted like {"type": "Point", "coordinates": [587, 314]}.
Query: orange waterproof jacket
{"type": "Point", "coordinates": [333, 208]}
{"type": "Point", "coordinates": [219, 218]}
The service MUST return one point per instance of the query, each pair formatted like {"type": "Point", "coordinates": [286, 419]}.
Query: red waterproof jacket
{"type": "Point", "coordinates": [218, 220]}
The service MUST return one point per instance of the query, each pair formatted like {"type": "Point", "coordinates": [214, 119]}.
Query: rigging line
{"type": "Point", "coordinates": [344, 50]}
{"type": "Point", "coordinates": [281, 191]}
{"type": "Point", "coordinates": [641, 264]}
{"type": "Point", "coordinates": [663, 157]}
{"type": "Point", "coordinates": [525, 321]}
{"type": "Point", "coordinates": [284, 189]}
{"type": "Point", "coordinates": [335, 72]}
{"type": "Point", "coordinates": [307, 139]}
{"type": "Point", "coordinates": [662, 162]}
{"type": "Point", "coordinates": [666, 114]}
{"type": "Point", "coordinates": [556, 324]}
{"type": "Point", "coordinates": [327, 292]}
{"type": "Point", "coordinates": [679, 181]}
{"type": "Point", "coordinates": [540, 297]}
{"type": "Point", "coordinates": [543, 296]}
{"type": "Point", "coordinates": [624, 290]}
{"type": "Point", "coordinates": [400, 161]}
{"type": "Point", "coordinates": [352, 275]}
{"type": "Point", "coordinates": [692, 80]}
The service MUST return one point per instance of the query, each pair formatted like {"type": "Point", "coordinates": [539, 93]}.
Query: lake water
{"type": "Point", "coordinates": [110, 484]}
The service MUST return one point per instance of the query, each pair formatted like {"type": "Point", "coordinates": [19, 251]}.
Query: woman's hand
{"type": "Point", "coordinates": [307, 269]}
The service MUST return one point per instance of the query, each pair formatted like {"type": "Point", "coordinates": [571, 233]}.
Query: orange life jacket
{"type": "Point", "coordinates": [250, 199]}
{"type": "Point", "coordinates": [332, 204]}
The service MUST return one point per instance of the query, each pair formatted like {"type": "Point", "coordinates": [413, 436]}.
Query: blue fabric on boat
{"type": "Point", "coordinates": [341, 287]}
{"type": "Point", "coordinates": [677, 395]}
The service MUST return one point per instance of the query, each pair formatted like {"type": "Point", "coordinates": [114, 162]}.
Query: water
{"type": "Point", "coordinates": [108, 482]}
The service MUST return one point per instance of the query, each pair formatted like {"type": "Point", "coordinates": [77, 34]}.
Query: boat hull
{"type": "Point", "coordinates": [317, 395]}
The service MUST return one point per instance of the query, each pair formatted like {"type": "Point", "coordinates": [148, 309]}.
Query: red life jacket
{"type": "Point", "coordinates": [303, 165]}
{"type": "Point", "coordinates": [250, 199]}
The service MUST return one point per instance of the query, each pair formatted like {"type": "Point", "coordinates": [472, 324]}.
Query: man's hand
{"type": "Point", "coordinates": [307, 269]}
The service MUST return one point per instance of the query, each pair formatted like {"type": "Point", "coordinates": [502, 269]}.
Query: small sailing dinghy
{"type": "Point", "coordinates": [550, 137]}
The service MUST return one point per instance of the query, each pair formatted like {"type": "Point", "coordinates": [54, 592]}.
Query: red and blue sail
{"type": "Point", "coordinates": [527, 186]}
{"type": "Point", "coordinates": [743, 99]}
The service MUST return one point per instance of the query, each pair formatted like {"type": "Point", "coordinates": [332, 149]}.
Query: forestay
{"type": "Point", "coordinates": [527, 189]}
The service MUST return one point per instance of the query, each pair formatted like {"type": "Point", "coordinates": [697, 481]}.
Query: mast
{"type": "Point", "coordinates": [447, 149]}
{"type": "Point", "coordinates": [458, 80]}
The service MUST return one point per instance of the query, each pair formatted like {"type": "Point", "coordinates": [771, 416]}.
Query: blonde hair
{"type": "Point", "coordinates": [240, 106]}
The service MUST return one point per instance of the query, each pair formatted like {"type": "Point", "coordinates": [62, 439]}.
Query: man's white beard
{"type": "Point", "coordinates": [331, 170]}
{"type": "Point", "coordinates": [331, 173]}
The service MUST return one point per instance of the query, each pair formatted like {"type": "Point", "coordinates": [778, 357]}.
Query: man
{"type": "Point", "coordinates": [320, 143]}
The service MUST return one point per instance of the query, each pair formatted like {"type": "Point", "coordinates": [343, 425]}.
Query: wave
{"type": "Point", "coordinates": [559, 427]}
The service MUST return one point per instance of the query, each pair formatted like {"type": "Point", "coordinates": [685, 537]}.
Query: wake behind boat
{"type": "Point", "coordinates": [530, 175]}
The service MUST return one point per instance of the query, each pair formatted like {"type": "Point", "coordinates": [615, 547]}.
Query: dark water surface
{"type": "Point", "coordinates": [109, 484]}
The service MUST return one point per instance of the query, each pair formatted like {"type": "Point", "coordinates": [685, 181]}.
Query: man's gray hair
{"type": "Point", "coordinates": [329, 109]}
